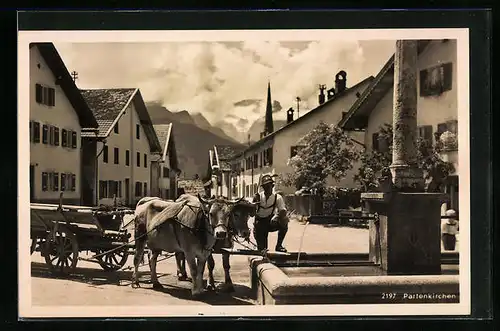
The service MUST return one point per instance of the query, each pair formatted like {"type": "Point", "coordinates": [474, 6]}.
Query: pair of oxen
{"type": "Point", "coordinates": [190, 227]}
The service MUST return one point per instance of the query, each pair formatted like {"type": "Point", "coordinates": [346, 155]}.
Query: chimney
{"type": "Point", "coordinates": [340, 81]}
{"type": "Point", "coordinates": [321, 97]}
{"type": "Point", "coordinates": [268, 126]}
{"type": "Point", "coordinates": [289, 115]}
{"type": "Point", "coordinates": [331, 93]}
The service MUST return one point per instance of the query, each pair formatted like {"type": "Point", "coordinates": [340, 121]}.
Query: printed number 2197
{"type": "Point", "coordinates": [388, 296]}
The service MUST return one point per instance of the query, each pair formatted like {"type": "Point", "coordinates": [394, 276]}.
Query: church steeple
{"type": "Point", "coordinates": [268, 126]}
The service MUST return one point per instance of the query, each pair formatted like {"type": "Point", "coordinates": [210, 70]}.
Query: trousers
{"type": "Point", "coordinates": [261, 230]}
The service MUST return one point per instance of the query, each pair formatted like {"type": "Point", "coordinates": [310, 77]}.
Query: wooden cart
{"type": "Point", "coordinates": [60, 232]}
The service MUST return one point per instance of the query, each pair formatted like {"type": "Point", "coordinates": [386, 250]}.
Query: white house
{"type": "Point", "coordinates": [165, 167]}
{"type": "Point", "coordinates": [271, 153]}
{"type": "Point", "coordinates": [221, 172]}
{"type": "Point", "coordinates": [57, 115]}
{"type": "Point", "coordinates": [127, 143]}
{"type": "Point", "coordinates": [436, 104]}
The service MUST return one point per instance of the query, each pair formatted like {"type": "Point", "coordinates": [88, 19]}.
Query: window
{"type": "Point", "coordinates": [36, 132]}
{"type": "Point", "coordinates": [103, 189]}
{"type": "Point", "coordinates": [45, 134]}
{"type": "Point", "coordinates": [55, 181]}
{"type": "Point", "coordinates": [116, 155]}
{"type": "Point", "coordinates": [145, 160]}
{"type": "Point", "coordinates": [73, 182]}
{"type": "Point", "coordinates": [44, 181]}
{"type": "Point", "coordinates": [45, 95]}
{"type": "Point", "coordinates": [73, 139]}
{"type": "Point", "coordinates": [64, 138]}
{"type": "Point", "coordinates": [31, 131]}
{"type": "Point", "coordinates": [120, 188]}
{"type": "Point", "coordinates": [115, 129]}
{"type": "Point", "coordinates": [138, 159]}
{"type": "Point", "coordinates": [52, 137]}
{"type": "Point", "coordinates": [425, 132]}
{"type": "Point", "coordinates": [255, 160]}
{"type": "Point", "coordinates": [255, 188]}
{"type": "Point", "coordinates": [268, 160]}
{"type": "Point", "coordinates": [145, 189]}
{"type": "Point", "coordinates": [127, 158]}
{"type": "Point", "coordinates": [105, 154]}
{"type": "Point", "coordinates": [138, 131]}
{"type": "Point", "coordinates": [166, 172]}
{"type": "Point", "coordinates": [138, 188]}
{"type": "Point", "coordinates": [63, 182]}
{"type": "Point", "coordinates": [436, 80]}
{"type": "Point", "coordinates": [56, 136]}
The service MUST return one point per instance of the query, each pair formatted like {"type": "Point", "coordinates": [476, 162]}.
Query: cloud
{"type": "Point", "coordinates": [221, 78]}
{"type": "Point", "coordinates": [276, 106]}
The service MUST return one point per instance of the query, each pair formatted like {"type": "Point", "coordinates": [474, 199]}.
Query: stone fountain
{"type": "Point", "coordinates": [404, 257]}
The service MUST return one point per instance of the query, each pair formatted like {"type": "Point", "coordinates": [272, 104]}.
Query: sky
{"type": "Point", "coordinates": [226, 81]}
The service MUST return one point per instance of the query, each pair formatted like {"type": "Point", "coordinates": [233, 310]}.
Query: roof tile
{"type": "Point", "coordinates": [106, 104]}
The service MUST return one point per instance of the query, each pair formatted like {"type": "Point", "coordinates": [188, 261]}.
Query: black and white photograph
{"type": "Point", "coordinates": [243, 173]}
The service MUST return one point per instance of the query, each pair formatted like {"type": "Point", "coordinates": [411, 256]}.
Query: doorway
{"type": "Point", "coordinates": [32, 182]}
{"type": "Point", "coordinates": [127, 191]}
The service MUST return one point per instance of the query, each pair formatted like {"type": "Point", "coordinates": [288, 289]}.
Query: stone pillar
{"type": "Point", "coordinates": [405, 239]}
{"type": "Point", "coordinates": [406, 174]}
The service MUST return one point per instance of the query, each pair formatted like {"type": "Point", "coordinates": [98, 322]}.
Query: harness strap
{"type": "Point", "coordinates": [272, 206]}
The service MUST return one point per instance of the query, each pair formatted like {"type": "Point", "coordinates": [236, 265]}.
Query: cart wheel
{"type": "Point", "coordinates": [115, 260]}
{"type": "Point", "coordinates": [61, 251]}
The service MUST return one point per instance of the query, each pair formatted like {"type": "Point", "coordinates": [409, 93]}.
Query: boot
{"type": "Point", "coordinates": [279, 243]}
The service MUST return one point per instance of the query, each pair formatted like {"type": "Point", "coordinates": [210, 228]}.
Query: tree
{"type": "Point", "coordinates": [325, 151]}
{"type": "Point", "coordinates": [374, 163]}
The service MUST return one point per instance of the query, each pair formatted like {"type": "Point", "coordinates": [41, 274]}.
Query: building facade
{"type": "Point", "coordinates": [57, 115]}
{"type": "Point", "coordinates": [221, 172]}
{"type": "Point", "coordinates": [437, 111]}
{"type": "Point", "coordinates": [165, 167]}
{"type": "Point", "coordinates": [126, 144]}
{"type": "Point", "coordinates": [271, 153]}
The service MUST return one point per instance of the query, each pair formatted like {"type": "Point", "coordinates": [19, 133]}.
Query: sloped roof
{"type": "Point", "coordinates": [166, 139]}
{"type": "Point", "coordinates": [307, 115]}
{"type": "Point", "coordinates": [224, 153]}
{"type": "Point", "coordinates": [63, 79]}
{"type": "Point", "coordinates": [108, 105]}
{"type": "Point", "coordinates": [375, 92]}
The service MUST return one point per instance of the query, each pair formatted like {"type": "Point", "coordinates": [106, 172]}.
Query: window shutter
{"type": "Point", "coordinates": [375, 145]}
{"type": "Point", "coordinates": [138, 159]}
{"type": "Point", "coordinates": [45, 133]}
{"type": "Point", "coordinates": [116, 155]}
{"type": "Point", "coordinates": [36, 132]}
{"type": "Point", "coordinates": [101, 189]}
{"type": "Point", "coordinates": [138, 131]}
{"type": "Point", "coordinates": [73, 182]}
{"type": "Point", "coordinates": [64, 138]}
{"type": "Point", "coordinates": [127, 158]}
{"type": "Point", "coordinates": [145, 160]}
{"type": "Point", "coordinates": [56, 136]}
{"type": "Point", "coordinates": [31, 131]}
{"type": "Point", "coordinates": [452, 126]}
{"type": "Point", "coordinates": [270, 156]}
{"type": "Point", "coordinates": [73, 139]}
{"type": "Point", "coordinates": [441, 128]}
{"type": "Point", "coordinates": [448, 76]}
{"type": "Point", "coordinates": [38, 93]}
{"type": "Point", "coordinates": [427, 132]}
{"type": "Point", "coordinates": [120, 188]}
{"type": "Point", "coordinates": [51, 135]}
{"type": "Point", "coordinates": [44, 181]}
{"type": "Point", "coordinates": [51, 97]}
{"type": "Point", "coordinates": [105, 154]}
{"type": "Point", "coordinates": [56, 181]}
{"type": "Point", "coordinates": [145, 189]}
{"type": "Point", "coordinates": [423, 79]}
{"type": "Point", "coordinates": [63, 182]}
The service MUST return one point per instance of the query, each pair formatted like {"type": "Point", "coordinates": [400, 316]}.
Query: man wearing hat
{"type": "Point", "coordinates": [207, 187]}
{"type": "Point", "coordinates": [449, 230]}
{"type": "Point", "coordinates": [271, 215]}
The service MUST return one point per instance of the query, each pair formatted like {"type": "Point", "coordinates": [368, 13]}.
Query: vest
{"type": "Point", "coordinates": [273, 206]}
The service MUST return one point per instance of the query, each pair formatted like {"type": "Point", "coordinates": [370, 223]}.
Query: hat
{"type": "Point", "coordinates": [266, 179]}
{"type": "Point", "coordinates": [451, 213]}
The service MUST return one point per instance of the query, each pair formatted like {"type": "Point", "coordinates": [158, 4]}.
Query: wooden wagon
{"type": "Point", "coordinates": [60, 232]}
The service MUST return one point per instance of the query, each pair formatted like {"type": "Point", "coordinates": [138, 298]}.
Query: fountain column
{"type": "Point", "coordinates": [405, 239]}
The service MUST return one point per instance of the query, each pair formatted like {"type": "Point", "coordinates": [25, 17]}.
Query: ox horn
{"type": "Point", "coordinates": [204, 200]}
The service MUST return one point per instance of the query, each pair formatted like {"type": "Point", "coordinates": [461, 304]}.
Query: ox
{"type": "Point", "coordinates": [185, 226]}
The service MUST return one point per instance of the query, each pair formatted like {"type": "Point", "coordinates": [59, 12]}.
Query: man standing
{"type": "Point", "coordinates": [271, 215]}
{"type": "Point", "coordinates": [207, 187]}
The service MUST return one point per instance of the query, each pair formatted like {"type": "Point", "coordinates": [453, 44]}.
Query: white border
{"type": "Point", "coordinates": [26, 310]}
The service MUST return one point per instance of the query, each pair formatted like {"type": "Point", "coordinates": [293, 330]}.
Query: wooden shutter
{"type": "Point", "coordinates": [116, 155]}
{"type": "Point", "coordinates": [423, 79]}
{"type": "Point", "coordinates": [145, 160]}
{"type": "Point", "coordinates": [51, 135]}
{"type": "Point", "coordinates": [138, 159]}
{"type": "Point", "coordinates": [73, 139]}
{"type": "Point", "coordinates": [64, 138]}
{"type": "Point", "coordinates": [145, 189]}
{"type": "Point", "coordinates": [138, 131]}
{"type": "Point", "coordinates": [44, 181]}
{"type": "Point", "coordinates": [447, 76]}
{"type": "Point", "coordinates": [51, 94]}
{"type": "Point", "coordinates": [127, 158]}
{"type": "Point", "coordinates": [31, 131]}
{"type": "Point", "coordinates": [38, 93]}
{"type": "Point", "coordinates": [105, 154]}
{"type": "Point", "coordinates": [427, 132]}
{"type": "Point", "coordinates": [375, 144]}
{"type": "Point", "coordinates": [270, 150]}
{"type": "Point", "coordinates": [73, 182]}
{"type": "Point", "coordinates": [452, 126]}
{"type": "Point", "coordinates": [442, 127]}
{"type": "Point", "coordinates": [36, 132]}
{"type": "Point", "coordinates": [63, 182]}
{"type": "Point", "coordinates": [56, 136]}
{"type": "Point", "coordinates": [56, 181]}
{"type": "Point", "coordinates": [120, 188]}
{"type": "Point", "coordinates": [101, 189]}
{"type": "Point", "coordinates": [45, 133]}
